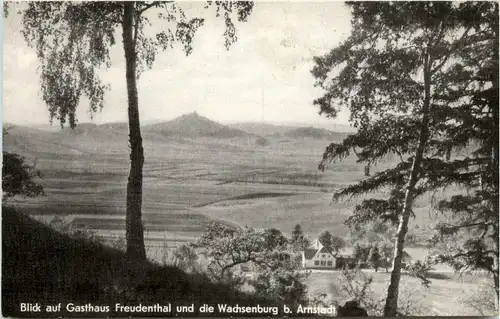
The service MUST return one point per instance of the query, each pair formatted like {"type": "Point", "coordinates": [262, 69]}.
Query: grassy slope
{"type": "Point", "coordinates": [44, 266]}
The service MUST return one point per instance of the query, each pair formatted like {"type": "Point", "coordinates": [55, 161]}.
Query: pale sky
{"type": "Point", "coordinates": [264, 76]}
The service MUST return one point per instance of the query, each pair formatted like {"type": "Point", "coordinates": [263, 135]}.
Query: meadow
{"type": "Point", "coordinates": [187, 182]}
{"type": "Point", "coordinates": [444, 297]}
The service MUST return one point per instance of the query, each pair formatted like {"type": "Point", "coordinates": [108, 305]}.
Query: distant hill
{"type": "Point", "coordinates": [52, 141]}
{"type": "Point", "coordinates": [262, 128]}
{"type": "Point", "coordinates": [31, 142]}
{"type": "Point", "coordinates": [334, 127]}
{"type": "Point", "coordinates": [194, 125]}
{"type": "Point", "coordinates": [82, 128]}
{"type": "Point", "coordinates": [287, 129]}
{"type": "Point", "coordinates": [97, 129]}
{"type": "Point", "coordinates": [46, 127]}
{"type": "Point", "coordinates": [111, 139]}
{"type": "Point", "coordinates": [316, 133]}
{"type": "Point", "coordinates": [118, 127]}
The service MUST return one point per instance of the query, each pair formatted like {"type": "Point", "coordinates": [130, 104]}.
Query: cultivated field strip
{"type": "Point", "coordinates": [230, 180]}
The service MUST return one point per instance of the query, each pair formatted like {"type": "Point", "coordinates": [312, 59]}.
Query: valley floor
{"type": "Point", "coordinates": [444, 297]}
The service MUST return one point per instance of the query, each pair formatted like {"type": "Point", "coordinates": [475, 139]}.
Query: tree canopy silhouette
{"type": "Point", "coordinates": [18, 177]}
{"type": "Point", "coordinates": [416, 78]}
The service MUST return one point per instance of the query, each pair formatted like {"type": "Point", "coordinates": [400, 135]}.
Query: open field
{"type": "Point", "coordinates": [188, 182]}
{"type": "Point", "coordinates": [231, 180]}
{"type": "Point", "coordinates": [442, 298]}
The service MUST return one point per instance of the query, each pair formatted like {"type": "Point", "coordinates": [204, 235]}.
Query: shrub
{"type": "Point", "coordinates": [321, 299]}
{"type": "Point", "coordinates": [186, 258]}
{"type": "Point", "coordinates": [262, 141]}
{"type": "Point", "coordinates": [354, 285]}
{"type": "Point", "coordinates": [17, 177]}
{"type": "Point", "coordinates": [420, 270]}
{"type": "Point", "coordinates": [282, 285]}
{"type": "Point", "coordinates": [482, 299]}
{"type": "Point", "coordinates": [374, 258]}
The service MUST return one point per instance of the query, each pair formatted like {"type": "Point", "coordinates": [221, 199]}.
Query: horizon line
{"type": "Point", "coordinates": [326, 121]}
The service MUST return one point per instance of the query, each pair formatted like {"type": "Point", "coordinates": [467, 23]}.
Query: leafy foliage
{"type": "Point", "coordinates": [473, 90]}
{"type": "Point", "coordinates": [37, 259]}
{"type": "Point", "coordinates": [337, 243]}
{"type": "Point", "coordinates": [299, 241]}
{"type": "Point", "coordinates": [371, 231]}
{"type": "Point", "coordinates": [374, 257]}
{"type": "Point", "coordinates": [375, 232]}
{"type": "Point", "coordinates": [481, 299]}
{"type": "Point", "coordinates": [358, 253]}
{"type": "Point", "coordinates": [355, 285]}
{"type": "Point", "coordinates": [186, 258]}
{"type": "Point", "coordinates": [73, 41]}
{"type": "Point", "coordinates": [367, 82]}
{"type": "Point", "coordinates": [420, 80]}
{"type": "Point", "coordinates": [227, 248]}
{"type": "Point", "coordinates": [386, 254]}
{"type": "Point", "coordinates": [420, 270]}
{"type": "Point", "coordinates": [18, 177]}
{"type": "Point", "coordinates": [330, 242]}
{"type": "Point", "coordinates": [285, 286]}
{"type": "Point", "coordinates": [277, 274]}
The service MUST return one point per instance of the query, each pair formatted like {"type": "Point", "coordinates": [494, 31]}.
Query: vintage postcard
{"type": "Point", "coordinates": [253, 159]}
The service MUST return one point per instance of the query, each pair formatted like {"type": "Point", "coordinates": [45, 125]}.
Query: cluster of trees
{"type": "Point", "coordinates": [18, 177]}
{"type": "Point", "coordinates": [300, 241]}
{"type": "Point", "coordinates": [420, 80]}
{"type": "Point", "coordinates": [331, 242]}
{"type": "Point", "coordinates": [267, 253]}
{"type": "Point", "coordinates": [373, 255]}
{"type": "Point", "coordinates": [372, 244]}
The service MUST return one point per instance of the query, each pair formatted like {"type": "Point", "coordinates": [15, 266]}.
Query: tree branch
{"type": "Point", "coordinates": [447, 56]}
{"type": "Point", "coordinates": [151, 5]}
{"type": "Point", "coordinates": [457, 227]}
{"type": "Point", "coordinates": [395, 150]}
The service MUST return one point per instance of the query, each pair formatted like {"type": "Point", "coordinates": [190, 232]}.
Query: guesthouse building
{"type": "Point", "coordinates": [318, 256]}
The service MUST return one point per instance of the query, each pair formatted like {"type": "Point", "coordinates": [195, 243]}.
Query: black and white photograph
{"type": "Point", "coordinates": [250, 159]}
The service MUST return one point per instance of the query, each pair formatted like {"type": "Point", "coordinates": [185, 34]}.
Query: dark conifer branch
{"type": "Point", "coordinates": [377, 90]}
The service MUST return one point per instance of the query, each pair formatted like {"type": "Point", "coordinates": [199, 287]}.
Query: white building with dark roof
{"type": "Point", "coordinates": [318, 256]}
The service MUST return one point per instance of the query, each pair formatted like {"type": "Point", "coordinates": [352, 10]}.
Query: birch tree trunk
{"type": "Point", "coordinates": [391, 303]}
{"type": "Point", "coordinates": [134, 229]}
{"type": "Point", "coordinates": [496, 150]}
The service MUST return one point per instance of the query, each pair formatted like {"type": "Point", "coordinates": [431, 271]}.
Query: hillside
{"type": "Point", "coordinates": [86, 139]}
{"type": "Point", "coordinates": [33, 142]}
{"type": "Point", "coordinates": [264, 129]}
{"type": "Point", "coordinates": [315, 133]}
{"type": "Point", "coordinates": [194, 125]}
{"type": "Point", "coordinates": [40, 265]}
{"type": "Point", "coordinates": [327, 125]}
